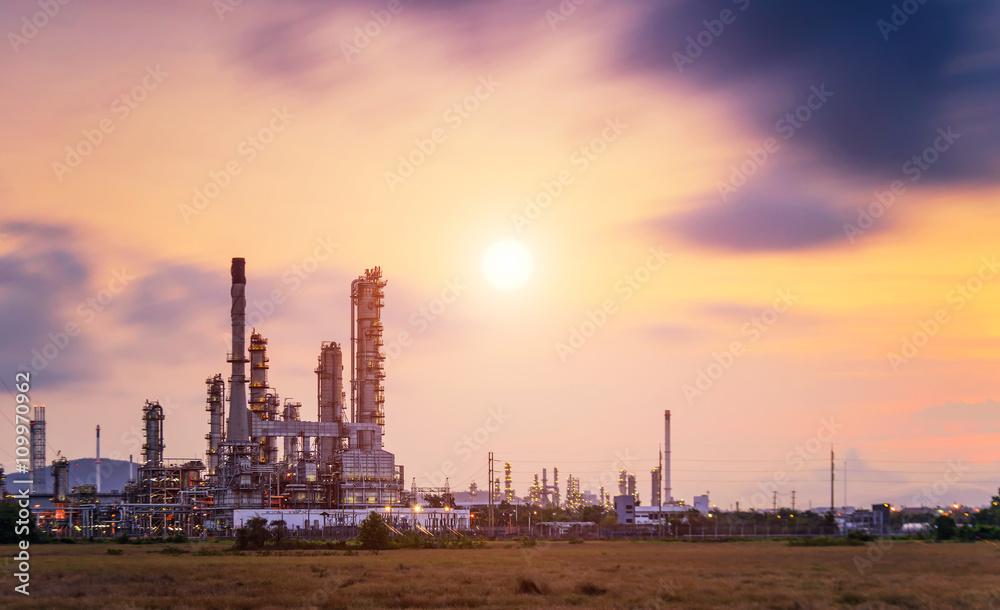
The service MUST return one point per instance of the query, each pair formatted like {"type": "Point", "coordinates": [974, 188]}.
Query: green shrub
{"type": "Point", "coordinates": [374, 533]}
{"type": "Point", "coordinates": [944, 527]}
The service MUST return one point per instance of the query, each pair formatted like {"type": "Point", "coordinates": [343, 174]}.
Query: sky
{"type": "Point", "coordinates": [777, 220]}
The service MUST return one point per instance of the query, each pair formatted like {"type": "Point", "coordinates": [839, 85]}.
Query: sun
{"type": "Point", "coordinates": [507, 264]}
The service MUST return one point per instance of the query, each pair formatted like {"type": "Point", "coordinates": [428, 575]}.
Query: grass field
{"type": "Point", "coordinates": [550, 575]}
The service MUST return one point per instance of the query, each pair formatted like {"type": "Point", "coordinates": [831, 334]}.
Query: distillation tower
{"type": "Point", "coordinates": [337, 460]}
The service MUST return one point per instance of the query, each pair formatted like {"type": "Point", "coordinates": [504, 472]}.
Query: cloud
{"type": "Point", "coordinates": [988, 411]}
{"type": "Point", "coordinates": [673, 333]}
{"type": "Point", "coordinates": [761, 221]}
{"type": "Point", "coordinates": [890, 96]}
{"type": "Point", "coordinates": [42, 280]}
{"type": "Point", "coordinates": [305, 46]}
{"type": "Point", "coordinates": [175, 295]}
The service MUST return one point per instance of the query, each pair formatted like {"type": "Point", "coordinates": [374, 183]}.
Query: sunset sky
{"type": "Point", "coordinates": [790, 229]}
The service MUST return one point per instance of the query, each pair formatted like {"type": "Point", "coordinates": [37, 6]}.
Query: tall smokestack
{"type": "Point", "coordinates": [238, 427]}
{"type": "Point", "coordinates": [667, 498]}
{"type": "Point", "coordinates": [97, 462]}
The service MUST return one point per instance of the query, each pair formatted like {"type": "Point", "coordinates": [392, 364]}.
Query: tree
{"type": "Point", "coordinates": [254, 533]}
{"type": "Point", "coordinates": [439, 500]}
{"type": "Point", "coordinates": [9, 525]}
{"type": "Point", "coordinates": [991, 514]}
{"type": "Point", "coordinates": [945, 527]}
{"type": "Point", "coordinates": [374, 533]}
{"type": "Point", "coordinates": [279, 531]}
{"type": "Point", "coordinates": [592, 513]}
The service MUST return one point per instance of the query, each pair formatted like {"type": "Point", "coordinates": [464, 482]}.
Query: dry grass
{"type": "Point", "coordinates": [602, 574]}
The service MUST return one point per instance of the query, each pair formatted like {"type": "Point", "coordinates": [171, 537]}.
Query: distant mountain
{"type": "Point", "coordinates": [114, 473]}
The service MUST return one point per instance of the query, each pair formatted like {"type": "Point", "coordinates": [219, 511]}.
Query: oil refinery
{"type": "Point", "coordinates": [262, 457]}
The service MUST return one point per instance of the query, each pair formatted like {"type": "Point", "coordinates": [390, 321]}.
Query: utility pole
{"type": "Point", "coordinates": [659, 466]}
{"type": "Point", "coordinates": [776, 502]}
{"type": "Point", "coordinates": [845, 484]}
{"type": "Point", "coordinates": [833, 512]}
{"type": "Point", "coordinates": [491, 491]}
{"type": "Point", "coordinates": [793, 501]}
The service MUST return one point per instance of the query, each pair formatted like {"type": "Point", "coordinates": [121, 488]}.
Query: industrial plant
{"type": "Point", "coordinates": [262, 457]}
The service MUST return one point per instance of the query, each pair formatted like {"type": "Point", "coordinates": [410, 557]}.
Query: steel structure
{"type": "Point", "coordinates": [336, 462]}
{"type": "Point", "coordinates": [330, 398]}
{"type": "Point", "coordinates": [574, 497]}
{"type": "Point", "coordinates": [367, 374]}
{"type": "Point", "coordinates": [214, 406]}
{"type": "Point", "coordinates": [38, 466]}
{"type": "Point", "coordinates": [152, 449]}
{"type": "Point", "coordinates": [60, 479]}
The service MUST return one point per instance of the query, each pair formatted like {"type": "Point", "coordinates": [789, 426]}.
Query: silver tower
{"type": "Point", "coordinates": [238, 427]}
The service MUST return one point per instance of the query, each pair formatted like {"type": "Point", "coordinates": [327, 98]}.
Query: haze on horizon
{"type": "Point", "coordinates": [782, 238]}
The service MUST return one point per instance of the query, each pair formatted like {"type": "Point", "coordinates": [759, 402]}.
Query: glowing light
{"type": "Point", "coordinates": [507, 264]}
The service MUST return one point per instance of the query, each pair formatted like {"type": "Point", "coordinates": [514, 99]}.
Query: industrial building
{"type": "Point", "coordinates": [262, 457]}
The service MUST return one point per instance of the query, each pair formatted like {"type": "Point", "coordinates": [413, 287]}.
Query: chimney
{"type": "Point", "coordinates": [667, 498]}
{"type": "Point", "coordinates": [238, 427]}
{"type": "Point", "coordinates": [97, 462]}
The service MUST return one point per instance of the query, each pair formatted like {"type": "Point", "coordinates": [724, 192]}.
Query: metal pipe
{"type": "Point", "coordinates": [354, 383]}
